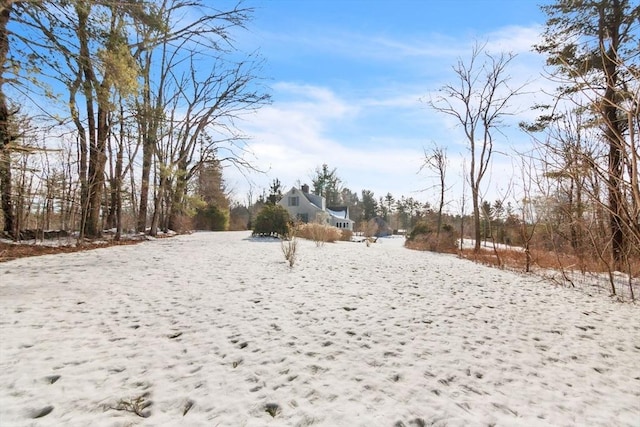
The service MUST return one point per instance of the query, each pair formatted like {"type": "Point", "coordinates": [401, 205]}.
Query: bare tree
{"type": "Point", "coordinates": [204, 130]}
{"type": "Point", "coordinates": [166, 43]}
{"type": "Point", "coordinates": [5, 134]}
{"type": "Point", "coordinates": [118, 169]}
{"type": "Point", "coordinates": [531, 211]}
{"type": "Point", "coordinates": [463, 203]}
{"type": "Point", "coordinates": [435, 159]}
{"type": "Point", "coordinates": [478, 101]}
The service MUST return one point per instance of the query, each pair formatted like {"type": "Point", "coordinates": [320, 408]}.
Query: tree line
{"type": "Point", "coordinates": [135, 102]}
{"type": "Point", "coordinates": [398, 214]}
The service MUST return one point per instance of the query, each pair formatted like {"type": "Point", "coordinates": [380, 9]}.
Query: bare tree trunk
{"type": "Point", "coordinates": [177, 212]}
{"type": "Point", "coordinates": [97, 162]}
{"type": "Point", "coordinates": [119, 176]}
{"type": "Point", "coordinates": [5, 134]}
{"type": "Point", "coordinates": [613, 134]}
{"type": "Point", "coordinates": [111, 191]}
{"type": "Point", "coordinates": [476, 217]}
{"type": "Point", "coordinates": [615, 172]}
{"type": "Point", "coordinates": [147, 154]}
{"type": "Point", "coordinates": [149, 125]}
{"type": "Point", "coordinates": [157, 209]}
{"type": "Point", "coordinates": [86, 141]}
{"type": "Point", "coordinates": [436, 160]}
{"type": "Point", "coordinates": [5, 180]}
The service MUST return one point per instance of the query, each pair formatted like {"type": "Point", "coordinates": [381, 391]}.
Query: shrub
{"type": "Point", "coordinates": [181, 223]}
{"type": "Point", "coordinates": [272, 220]}
{"type": "Point", "coordinates": [424, 237]}
{"type": "Point", "coordinates": [421, 228]}
{"type": "Point", "coordinates": [239, 218]}
{"type": "Point", "coordinates": [138, 405]}
{"type": "Point", "coordinates": [289, 250]}
{"type": "Point", "coordinates": [369, 228]}
{"type": "Point", "coordinates": [211, 218]}
{"type": "Point", "coordinates": [319, 233]}
{"type": "Point", "coordinates": [346, 235]}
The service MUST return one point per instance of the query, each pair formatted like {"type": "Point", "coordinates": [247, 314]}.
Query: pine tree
{"type": "Point", "coordinates": [594, 47]}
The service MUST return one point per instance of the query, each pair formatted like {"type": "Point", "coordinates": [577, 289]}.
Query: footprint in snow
{"type": "Point", "coordinates": [42, 412]}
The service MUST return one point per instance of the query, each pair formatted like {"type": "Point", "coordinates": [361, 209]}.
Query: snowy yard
{"type": "Point", "coordinates": [214, 329]}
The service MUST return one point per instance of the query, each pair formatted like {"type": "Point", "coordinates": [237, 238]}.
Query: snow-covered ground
{"type": "Point", "coordinates": [214, 329]}
{"type": "Point", "coordinates": [487, 245]}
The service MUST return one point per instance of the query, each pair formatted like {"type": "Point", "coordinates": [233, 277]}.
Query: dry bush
{"type": "Point", "coordinates": [445, 243]}
{"type": "Point", "coordinates": [319, 233]}
{"type": "Point", "coordinates": [545, 261]}
{"type": "Point", "coordinates": [346, 235]}
{"type": "Point", "coordinates": [289, 248]}
{"type": "Point", "coordinates": [289, 245]}
{"type": "Point", "coordinates": [424, 237]}
{"type": "Point", "coordinates": [138, 405]}
{"type": "Point", "coordinates": [511, 259]}
{"type": "Point", "coordinates": [182, 224]}
{"type": "Point", "coordinates": [334, 234]}
{"type": "Point", "coordinates": [370, 228]}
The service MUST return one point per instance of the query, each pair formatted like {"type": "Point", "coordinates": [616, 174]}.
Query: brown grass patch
{"type": "Point", "coordinates": [516, 260]}
{"type": "Point", "coordinates": [11, 251]}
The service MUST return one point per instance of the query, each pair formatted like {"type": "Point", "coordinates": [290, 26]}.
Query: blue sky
{"type": "Point", "coordinates": [349, 79]}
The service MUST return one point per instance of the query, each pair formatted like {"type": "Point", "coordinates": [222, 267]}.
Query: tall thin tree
{"type": "Point", "coordinates": [479, 101]}
{"type": "Point", "coordinates": [5, 134]}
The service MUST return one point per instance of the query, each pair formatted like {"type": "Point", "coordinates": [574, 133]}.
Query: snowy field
{"type": "Point", "coordinates": [214, 329]}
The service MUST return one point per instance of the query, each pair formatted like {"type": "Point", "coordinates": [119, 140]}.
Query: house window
{"type": "Point", "coordinates": [303, 217]}
{"type": "Point", "coordinates": [294, 201]}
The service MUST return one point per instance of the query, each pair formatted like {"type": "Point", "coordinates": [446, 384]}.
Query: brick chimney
{"type": "Point", "coordinates": [305, 188]}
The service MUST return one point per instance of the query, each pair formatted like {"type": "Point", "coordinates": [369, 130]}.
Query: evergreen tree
{"type": "Point", "coordinates": [214, 215]}
{"type": "Point", "coordinates": [275, 192]}
{"type": "Point", "coordinates": [369, 205]}
{"type": "Point", "coordinates": [327, 184]}
{"type": "Point", "coordinates": [594, 47]}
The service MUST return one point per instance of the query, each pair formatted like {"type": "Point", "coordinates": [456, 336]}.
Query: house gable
{"type": "Point", "coordinates": [299, 206]}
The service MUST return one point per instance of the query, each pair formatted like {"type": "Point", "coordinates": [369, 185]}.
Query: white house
{"type": "Point", "coordinates": [306, 207]}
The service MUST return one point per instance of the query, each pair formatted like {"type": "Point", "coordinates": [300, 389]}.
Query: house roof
{"type": "Point", "coordinates": [313, 199]}
{"type": "Point", "coordinates": [338, 212]}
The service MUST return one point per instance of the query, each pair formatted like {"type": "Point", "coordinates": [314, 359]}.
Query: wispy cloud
{"type": "Point", "coordinates": [364, 46]}
{"type": "Point", "coordinates": [294, 136]}
{"type": "Point", "coordinates": [515, 39]}
{"type": "Point", "coordinates": [373, 126]}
